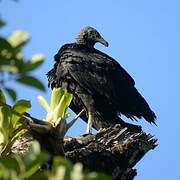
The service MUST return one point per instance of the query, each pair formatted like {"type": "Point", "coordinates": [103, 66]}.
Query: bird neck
{"type": "Point", "coordinates": [82, 41]}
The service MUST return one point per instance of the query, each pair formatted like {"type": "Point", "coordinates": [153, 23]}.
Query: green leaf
{"type": "Point", "coordinates": [33, 63]}
{"type": "Point", "coordinates": [18, 38]}
{"type": "Point", "coordinates": [2, 23]}
{"type": "Point", "coordinates": [65, 164]}
{"type": "Point", "coordinates": [12, 93]}
{"type": "Point", "coordinates": [68, 97]}
{"type": "Point", "coordinates": [43, 102]}
{"type": "Point", "coordinates": [56, 96]}
{"type": "Point", "coordinates": [61, 172]}
{"type": "Point", "coordinates": [6, 113]}
{"type": "Point", "coordinates": [10, 163]}
{"type": "Point", "coordinates": [5, 47]}
{"type": "Point", "coordinates": [32, 153]}
{"type": "Point", "coordinates": [21, 107]}
{"type": "Point", "coordinates": [4, 62]}
{"type": "Point", "coordinates": [31, 81]}
{"type": "Point", "coordinates": [77, 172]}
{"type": "Point", "coordinates": [10, 127]}
{"type": "Point", "coordinates": [35, 165]}
{"type": "Point", "coordinates": [2, 97]}
{"type": "Point", "coordinates": [40, 175]}
{"type": "Point", "coordinates": [61, 108]}
{"type": "Point", "coordinates": [61, 161]}
{"type": "Point", "coordinates": [33, 159]}
{"type": "Point", "coordinates": [9, 60]}
{"type": "Point", "coordinates": [5, 127]}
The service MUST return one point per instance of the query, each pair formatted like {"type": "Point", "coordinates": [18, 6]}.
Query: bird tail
{"type": "Point", "coordinates": [137, 107]}
{"type": "Point", "coordinates": [142, 108]}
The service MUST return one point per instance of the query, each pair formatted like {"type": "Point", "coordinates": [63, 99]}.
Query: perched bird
{"type": "Point", "coordinates": [98, 83]}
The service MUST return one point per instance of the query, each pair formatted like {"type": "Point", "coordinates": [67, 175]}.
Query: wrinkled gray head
{"type": "Point", "coordinates": [90, 36]}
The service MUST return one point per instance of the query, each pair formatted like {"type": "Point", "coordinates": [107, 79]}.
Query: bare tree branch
{"type": "Point", "coordinates": [114, 151]}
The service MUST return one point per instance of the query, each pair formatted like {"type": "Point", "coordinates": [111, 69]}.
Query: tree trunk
{"type": "Point", "coordinates": [113, 151]}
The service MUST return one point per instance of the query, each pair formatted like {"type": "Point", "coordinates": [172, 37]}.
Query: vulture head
{"type": "Point", "coordinates": [89, 37]}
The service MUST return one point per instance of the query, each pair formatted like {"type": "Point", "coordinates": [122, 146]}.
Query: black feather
{"type": "Point", "coordinates": [99, 83]}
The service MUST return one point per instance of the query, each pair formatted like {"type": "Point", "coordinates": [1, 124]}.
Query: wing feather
{"type": "Point", "coordinates": [101, 76]}
{"type": "Point", "coordinates": [96, 73]}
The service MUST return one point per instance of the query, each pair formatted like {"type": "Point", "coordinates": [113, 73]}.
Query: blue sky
{"type": "Point", "coordinates": [143, 36]}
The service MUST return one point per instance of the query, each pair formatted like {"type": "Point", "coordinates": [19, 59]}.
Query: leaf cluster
{"type": "Point", "coordinates": [11, 125]}
{"type": "Point", "coordinates": [14, 66]}
{"type": "Point", "coordinates": [29, 166]}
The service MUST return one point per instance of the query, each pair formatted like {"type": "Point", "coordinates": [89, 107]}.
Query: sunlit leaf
{"type": "Point", "coordinates": [11, 69]}
{"type": "Point", "coordinates": [5, 125]}
{"type": "Point", "coordinates": [37, 57]}
{"type": "Point", "coordinates": [60, 174]}
{"type": "Point", "coordinates": [77, 172]}
{"type": "Point", "coordinates": [62, 106]}
{"type": "Point", "coordinates": [59, 161]}
{"type": "Point", "coordinates": [9, 60]}
{"type": "Point", "coordinates": [68, 97]}
{"type": "Point", "coordinates": [33, 63]}
{"type": "Point", "coordinates": [21, 107]}
{"type": "Point", "coordinates": [10, 130]}
{"type": "Point", "coordinates": [2, 140]}
{"type": "Point", "coordinates": [12, 93]}
{"type": "Point", "coordinates": [5, 114]}
{"type": "Point", "coordinates": [5, 117]}
{"type": "Point", "coordinates": [2, 97]}
{"type": "Point", "coordinates": [18, 38]}
{"type": "Point", "coordinates": [31, 81]}
{"type": "Point", "coordinates": [56, 96]}
{"type": "Point", "coordinates": [43, 102]}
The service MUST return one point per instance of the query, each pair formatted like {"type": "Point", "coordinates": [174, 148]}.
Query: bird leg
{"type": "Point", "coordinates": [89, 106]}
{"type": "Point", "coordinates": [90, 123]}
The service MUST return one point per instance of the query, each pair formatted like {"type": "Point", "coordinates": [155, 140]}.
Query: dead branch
{"type": "Point", "coordinates": [114, 151]}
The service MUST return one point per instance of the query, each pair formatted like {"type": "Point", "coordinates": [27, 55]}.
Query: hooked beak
{"type": "Point", "coordinates": [103, 42]}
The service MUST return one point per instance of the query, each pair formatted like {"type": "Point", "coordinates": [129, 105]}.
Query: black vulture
{"type": "Point", "coordinates": [99, 84]}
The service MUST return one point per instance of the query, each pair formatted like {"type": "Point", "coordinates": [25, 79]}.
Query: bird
{"type": "Point", "coordinates": [99, 84]}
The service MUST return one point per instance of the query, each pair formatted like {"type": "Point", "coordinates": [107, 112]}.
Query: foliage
{"type": "Point", "coordinates": [11, 125]}
{"type": "Point", "coordinates": [27, 166]}
{"type": "Point", "coordinates": [14, 66]}
{"type": "Point", "coordinates": [57, 110]}
{"type": "Point", "coordinates": [60, 101]}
